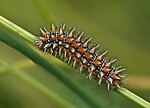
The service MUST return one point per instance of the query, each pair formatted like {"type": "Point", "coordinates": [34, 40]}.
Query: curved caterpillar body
{"type": "Point", "coordinates": [76, 50]}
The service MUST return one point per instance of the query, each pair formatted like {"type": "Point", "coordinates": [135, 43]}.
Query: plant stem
{"type": "Point", "coordinates": [134, 97]}
{"type": "Point", "coordinates": [51, 95]}
{"type": "Point", "coordinates": [123, 91]}
{"type": "Point", "coordinates": [56, 71]}
{"type": "Point", "coordinates": [15, 28]}
{"type": "Point", "coordinates": [74, 87]}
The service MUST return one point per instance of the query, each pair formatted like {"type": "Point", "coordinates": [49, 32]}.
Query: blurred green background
{"type": "Point", "coordinates": [121, 27]}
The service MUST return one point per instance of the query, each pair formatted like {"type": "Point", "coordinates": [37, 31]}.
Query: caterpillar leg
{"type": "Point", "coordinates": [89, 76]}
{"type": "Point", "coordinates": [108, 85]}
{"type": "Point", "coordinates": [74, 63]}
{"type": "Point", "coordinates": [99, 81]}
{"type": "Point", "coordinates": [80, 69]}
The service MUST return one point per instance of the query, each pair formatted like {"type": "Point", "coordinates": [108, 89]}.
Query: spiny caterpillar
{"type": "Point", "coordinates": [77, 50]}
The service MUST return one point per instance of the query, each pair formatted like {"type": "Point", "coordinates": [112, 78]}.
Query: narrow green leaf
{"type": "Point", "coordinates": [23, 33]}
{"type": "Point", "coordinates": [56, 71]}
{"type": "Point", "coordinates": [51, 95]}
{"type": "Point", "coordinates": [134, 97]}
{"type": "Point", "coordinates": [30, 53]}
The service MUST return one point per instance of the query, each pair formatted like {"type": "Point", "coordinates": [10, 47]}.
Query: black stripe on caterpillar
{"type": "Point", "coordinates": [73, 48]}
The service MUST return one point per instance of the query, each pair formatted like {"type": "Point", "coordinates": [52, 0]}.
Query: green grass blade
{"type": "Point", "coordinates": [11, 26]}
{"type": "Point", "coordinates": [25, 77]}
{"type": "Point", "coordinates": [61, 75]}
{"type": "Point", "coordinates": [56, 71]}
{"type": "Point", "coordinates": [134, 97]}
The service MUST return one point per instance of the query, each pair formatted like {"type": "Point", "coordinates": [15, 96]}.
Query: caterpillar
{"type": "Point", "coordinates": [74, 49]}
